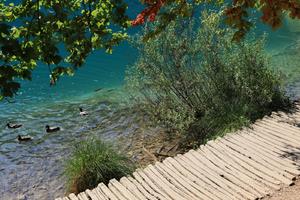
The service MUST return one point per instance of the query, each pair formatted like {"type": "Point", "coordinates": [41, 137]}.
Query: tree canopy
{"type": "Point", "coordinates": [62, 33]}
{"type": "Point", "coordinates": [59, 33]}
{"type": "Point", "coordinates": [237, 12]}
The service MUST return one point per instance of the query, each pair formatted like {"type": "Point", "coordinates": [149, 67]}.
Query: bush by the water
{"type": "Point", "coordinates": [192, 78]}
{"type": "Point", "coordinates": [93, 162]}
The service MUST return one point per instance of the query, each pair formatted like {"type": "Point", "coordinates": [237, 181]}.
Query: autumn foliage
{"type": "Point", "coordinates": [149, 13]}
{"type": "Point", "coordinates": [236, 14]}
{"type": "Point", "coordinates": [272, 12]}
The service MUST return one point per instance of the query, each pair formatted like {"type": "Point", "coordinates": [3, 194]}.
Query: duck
{"type": "Point", "coordinates": [82, 113]}
{"type": "Point", "coordinates": [11, 125]}
{"type": "Point", "coordinates": [51, 129]}
{"type": "Point", "coordinates": [24, 138]}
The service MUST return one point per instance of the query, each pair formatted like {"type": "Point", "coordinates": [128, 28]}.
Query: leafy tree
{"type": "Point", "coordinates": [237, 12]}
{"type": "Point", "coordinates": [59, 33]}
{"type": "Point", "coordinates": [62, 33]}
{"type": "Point", "coordinates": [193, 79]}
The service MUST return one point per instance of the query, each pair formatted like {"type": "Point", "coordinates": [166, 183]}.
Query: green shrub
{"type": "Point", "coordinates": [195, 80]}
{"type": "Point", "coordinates": [92, 162]}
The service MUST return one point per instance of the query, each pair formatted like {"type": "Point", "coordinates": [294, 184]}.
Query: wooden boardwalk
{"type": "Point", "coordinates": [249, 164]}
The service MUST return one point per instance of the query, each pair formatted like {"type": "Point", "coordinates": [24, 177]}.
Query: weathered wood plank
{"type": "Point", "coordinates": [131, 187]}
{"type": "Point", "coordinates": [123, 190]}
{"type": "Point", "coordinates": [73, 197]}
{"type": "Point", "coordinates": [92, 195]}
{"type": "Point", "coordinates": [147, 187]}
{"type": "Point", "coordinates": [266, 148]}
{"type": "Point", "coordinates": [82, 196]}
{"type": "Point", "coordinates": [101, 194]}
{"type": "Point", "coordinates": [244, 162]}
{"type": "Point", "coordinates": [241, 166]}
{"type": "Point", "coordinates": [107, 192]}
{"type": "Point", "coordinates": [147, 183]}
{"type": "Point", "coordinates": [270, 157]}
{"type": "Point", "coordinates": [211, 175]}
{"type": "Point", "coordinates": [277, 178]}
{"type": "Point", "coordinates": [276, 172]}
{"type": "Point", "coordinates": [183, 182]}
{"type": "Point", "coordinates": [223, 177]}
{"type": "Point", "coordinates": [203, 184]}
{"type": "Point", "coordinates": [164, 185]}
{"type": "Point", "coordinates": [280, 131]}
{"type": "Point", "coordinates": [228, 164]}
{"type": "Point", "coordinates": [249, 184]}
{"type": "Point", "coordinates": [283, 130]}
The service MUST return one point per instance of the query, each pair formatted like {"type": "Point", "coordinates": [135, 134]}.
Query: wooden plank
{"type": "Point", "coordinates": [242, 166]}
{"type": "Point", "coordinates": [149, 188]}
{"type": "Point", "coordinates": [267, 155]}
{"type": "Point", "coordinates": [107, 192]}
{"type": "Point", "coordinates": [98, 194]}
{"type": "Point", "coordinates": [206, 185]}
{"type": "Point", "coordinates": [82, 196]}
{"type": "Point", "coordinates": [92, 195]}
{"type": "Point", "coordinates": [189, 185]}
{"type": "Point", "coordinates": [229, 164]}
{"type": "Point", "coordinates": [212, 175]}
{"type": "Point", "coordinates": [244, 162]}
{"type": "Point", "coordinates": [257, 165]}
{"type": "Point", "coordinates": [265, 165]}
{"type": "Point", "coordinates": [143, 190]}
{"type": "Point", "coordinates": [286, 131]}
{"type": "Point", "coordinates": [250, 184]}
{"type": "Point", "coordinates": [173, 179]}
{"type": "Point", "coordinates": [116, 192]}
{"type": "Point", "coordinates": [278, 148]}
{"type": "Point", "coordinates": [128, 194]}
{"type": "Point", "coordinates": [172, 183]}
{"type": "Point", "coordinates": [281, 131]}
{"type": "Point", "coordinates": [226, 178]}
{"type": "Point", "coordinates": [131, 187]}
{"type": "Point", "coordinates": [268, 149]}
{"type": "Point", "coordinates": [101, 194]}
{"type": "Point", "coordinates": [73, 197]}
{"type": "Point", "coordinates": [164, 185]}
{"type": "Point", "coordinates": [283, 143]}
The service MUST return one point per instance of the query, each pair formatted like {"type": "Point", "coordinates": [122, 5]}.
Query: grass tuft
{"type": "Point", "coordinates": [93, 162]}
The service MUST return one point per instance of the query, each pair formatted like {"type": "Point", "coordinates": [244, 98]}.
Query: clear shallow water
{"type": "Point", "coordinates": [34, 169]}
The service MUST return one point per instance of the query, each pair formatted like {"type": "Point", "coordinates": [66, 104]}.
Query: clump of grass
{"type": "Point", "coordinates": [193, 79]}
{"type": "Point", "coordinates": [92, 162]}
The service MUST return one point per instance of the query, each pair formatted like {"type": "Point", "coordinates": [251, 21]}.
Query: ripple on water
{"type": "Point", "coordinates": [35, 168]}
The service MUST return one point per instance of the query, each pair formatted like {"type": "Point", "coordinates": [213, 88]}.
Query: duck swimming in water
{"type": "Point", "coordinates": [82, 113]}
{"type": "Point", "coordinates": [11, 125]}
{"type": "Point", "coordinates": [24, 138]}
{"type": "Point", "coordinates": [51, 129]}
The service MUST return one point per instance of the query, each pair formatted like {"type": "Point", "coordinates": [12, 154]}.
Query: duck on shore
{"type": "Point", "coordinates": [24, 138]}
{"type": "Point", "coordinates": [82, 112]}
{"type": "Point", "coordinates": [14, 126]}
{"type": "Point", "coordinates": [51, 129]}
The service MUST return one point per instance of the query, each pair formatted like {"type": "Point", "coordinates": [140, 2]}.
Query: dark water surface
{"type": "Point", "coordinates": [33, 170]}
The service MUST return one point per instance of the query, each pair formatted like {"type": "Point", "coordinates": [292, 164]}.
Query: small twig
{"type": "Point", "coordinates": [161, 154]}
{"type": "Point", "coordinates": [150, 154]}
{"type": "Point", "coordinates": [176, 145]}
{"type": "Point", "coordinates": [160, 149]}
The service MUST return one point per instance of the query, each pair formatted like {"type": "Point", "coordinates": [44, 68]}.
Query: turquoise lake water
{"type": "Point", "coordinates": [34, 170]}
